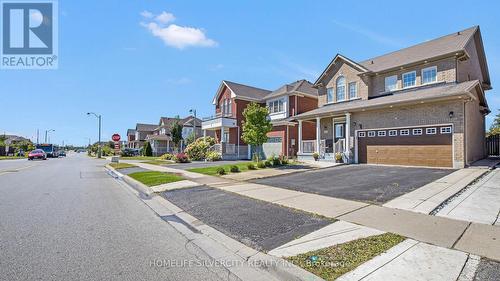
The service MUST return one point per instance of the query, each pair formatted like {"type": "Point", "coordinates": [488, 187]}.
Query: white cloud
{"type": "Point", "coordinates": [180, 36]}
{"type": "Point", "coordinates": [147, 14]}
{"type": "Point", "coordinates": [165, 17]}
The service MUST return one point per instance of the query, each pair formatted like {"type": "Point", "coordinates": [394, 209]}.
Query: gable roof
{"type": "Point", "coordinates": [145, 127]}
{"type": "Point", "coordinates": [334, 61]}
{"type": "Point", "coordinates": [241, 91]}
{"type": "Point", "coordinates": [130, 132]}
{"type": "Point", "coordinates": [421, 94]}
{"type": "Point", "coordinates": [303, 87]}
{"type": "Point", "coordinates": [186, 121]}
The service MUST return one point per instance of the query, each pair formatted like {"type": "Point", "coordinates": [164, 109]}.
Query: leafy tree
{"type": "Point", "coordinates": [176, 132]}
{"type": "Point", "coordinates": [256, 125]}
{"type": "Point", "coordinates": [190, 138]}
{"type": "Point", "coordinates": [495, 126]}
{"type": "Point", "coordinates": [147, 150]}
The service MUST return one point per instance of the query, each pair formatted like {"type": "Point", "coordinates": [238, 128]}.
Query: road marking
{"type": "Point", "coordinates": [15, 170]}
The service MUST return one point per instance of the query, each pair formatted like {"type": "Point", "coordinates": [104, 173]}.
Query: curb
{"type": "Point", "coordinates": [192, 228]}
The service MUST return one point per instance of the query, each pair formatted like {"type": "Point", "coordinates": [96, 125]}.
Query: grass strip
{"type": "Point", "coordinates": [212, 171]}
{"type": "Point", "coordinates": [152, 178]}
{"type": "Point", "coordinates": [332, 262]}
{"type": "Point", "coordinates": [118, 166]}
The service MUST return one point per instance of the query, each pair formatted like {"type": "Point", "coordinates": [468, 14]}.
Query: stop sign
{"type": "Point", "coordinates": [116, 137]}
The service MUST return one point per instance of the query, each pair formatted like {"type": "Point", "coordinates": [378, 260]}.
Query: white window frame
{"type": "Point", "coordinates": [422, 75]}
{"type": "Point", "coordinates": [445, 130]}
{"type": "Point", "coordinates": [371, 134]}
{"type": "Point", "coordinates": [278, 103]}
{"type": "Point", "coordinates": [403, 79]}
{"type": "Point", "coordinates": [361, 134]}
{"type": "Point", "coordinates": [329, 96]}
{"type": "Point", "coordinates": [355, 87]}
{"type": "Point", "coordinates": [417, 132]}
{"type": "Point", "coordinates": [404, 132]}
{"type": "Point", "coordinates": [393, 133]}
{"type": "Point", "coordinates": [431, 131]}
{"type": "Point", "coordinates": [337, 86]}
{"type": "Point", "coordinates": [381, 133]}
{"type": "Point", "coordinates": [387, 89]}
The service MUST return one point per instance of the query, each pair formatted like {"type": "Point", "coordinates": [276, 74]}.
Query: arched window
{"type": "Point", "coordinates": [340, 93]}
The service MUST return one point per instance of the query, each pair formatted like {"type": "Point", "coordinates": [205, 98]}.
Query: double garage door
{"type": "Point", "coordinates": [415, 146]}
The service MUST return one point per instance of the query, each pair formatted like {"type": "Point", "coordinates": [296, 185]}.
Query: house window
{"type": "Point", "coordinates": [404, 132]}
{"type": "Point", "coordinates": [361, 134]}
{"type": "Point", "coordinates": [276, 106]}
{"type": "Point", "coordinates": [340, 89]}
{"type": "Point", "coordinates": [445, 130]}
{"type": "Point", "coordinates": [381, 133]}
{"type": "Point", "coordinates": [429, 75]}
{"type": "Point", "coordinates": [339, 130]}
{"type": "Point", "coordinates": [371, 134]}
{"type": "Point", "coordinates": [430, 131]}
{"type": "Point", "coordinates": [353, 90]}
{"type": "Point", "coordinates": [229, 106]}
{"type": "Point", "coordinates": [393, 133]}
{"type": "Point", "coordinates": [391, 83]}
{"type": "Point", "coordinates": [409, 79]}
{"type": "Point", "coordinates": [417, 132]}
{"type": "Point", "coordinates": [329, 95]}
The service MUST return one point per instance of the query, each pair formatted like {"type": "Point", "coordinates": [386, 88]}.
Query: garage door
{"type": "Point", "coordinates": [425, 146]}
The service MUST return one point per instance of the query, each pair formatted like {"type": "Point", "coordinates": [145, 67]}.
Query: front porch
{"type": "Point", "coordinates": [228, 137]}
{"type": "Point", "coordinates": [332, 137]}
{"type": "Point", "coordinates": [160, 144]}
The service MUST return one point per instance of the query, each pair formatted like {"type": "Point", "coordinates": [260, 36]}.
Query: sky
{"type": "Point", "coordinates": [137, 60]}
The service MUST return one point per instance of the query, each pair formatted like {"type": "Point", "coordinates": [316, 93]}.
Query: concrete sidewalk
{"type": "Point", "coordinates": [449, 233]}
{"type": "Point", "coordinates": [430, 196]}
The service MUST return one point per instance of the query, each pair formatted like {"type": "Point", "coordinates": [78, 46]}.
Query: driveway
{"type": "Point", "coordinates": [258, 224]}
{"type": "Point", "coordinates": [367, 183]}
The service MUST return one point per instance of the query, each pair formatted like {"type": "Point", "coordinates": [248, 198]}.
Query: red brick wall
{"type": "Point", "coordinates": [226, 94]}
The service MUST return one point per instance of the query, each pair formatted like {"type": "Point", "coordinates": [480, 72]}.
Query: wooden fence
{"type": "Point", "coordinates": [493, 145]}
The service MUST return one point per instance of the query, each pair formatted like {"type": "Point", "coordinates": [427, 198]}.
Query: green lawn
{"type": "Point", "coordinates": [332, 262]}
{"type": "Point", "coordinates": [118, 166]}
{"type": "Point", "coordinates": [158, 162]}
{"type": "Point", "coordinates": [212, 171]}
{"type": "Point", "coordinates": [152, 178]}
{"type": "Point", "coordinates": [11, 157]}
{"type": "Point", "coordinates": [140, 158]}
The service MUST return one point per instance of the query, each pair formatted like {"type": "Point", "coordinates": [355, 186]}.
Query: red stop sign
{"type": "Point", "coordinates": [116, 137]}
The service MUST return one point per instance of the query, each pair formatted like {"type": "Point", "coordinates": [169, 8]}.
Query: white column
{"type": "Point", "coordinates": [204, 133]}
{"type": "Point", "coordinates": [299, 141]}
{"type": "Point", "coordinates": [348, 134]}
{"type": "Point", "coordinates": [318, 133]}
{"type": "Point", "coordinates": [333, 135]}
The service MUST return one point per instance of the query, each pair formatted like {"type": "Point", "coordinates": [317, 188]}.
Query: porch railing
{"type": "Point", "coordinates": [340, 145]}
{"type": "Point", "coordinates": [308, 146]}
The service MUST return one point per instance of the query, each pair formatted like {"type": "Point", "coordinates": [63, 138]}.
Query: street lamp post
{"type": "Point", "coordinates": [193, 111]}
{"type": "Point", "coordinates": [47, 133]}
{"type": "Point", "coordinates": [99, 149]}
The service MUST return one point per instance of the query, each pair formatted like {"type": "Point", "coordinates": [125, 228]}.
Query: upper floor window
{"type": "Point", "coordinates": [276, 106]}
{"type": "Point", "coordinates": [353, 90]}
{"type": "Point", "coordinates": [229, 106]}
{"type": "Point", "coordinates": [429, 75]}
{"type": "Point", "coordinates": [340, 95]}
{"type": "Point", "coordinates": [329, 95]}
{"type": "Point", "coordinates": [409, 79]}
{"type": "Point", "coordinates": [391, 83]}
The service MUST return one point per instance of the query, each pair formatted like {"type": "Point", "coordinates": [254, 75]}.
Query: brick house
{"type": "Point", "coordinates": [424, 105]}
{"type": "Point", "coordinates": [230, 101]}
{"type": "Point", "coordinates": [141, 133]}
{"type": "Point", "coordinates": [130, 138]}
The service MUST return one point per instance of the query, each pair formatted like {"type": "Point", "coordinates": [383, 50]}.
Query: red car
{"type": "Point", "coordinates": [37, 154]}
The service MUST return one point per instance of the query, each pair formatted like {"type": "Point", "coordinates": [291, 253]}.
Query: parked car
{"type": "Point", "coordinates": [37, 154]}
{"type": "Point", "coordinates": [130, 152]}
{"type": "Point", "coordinates": [62, 153]}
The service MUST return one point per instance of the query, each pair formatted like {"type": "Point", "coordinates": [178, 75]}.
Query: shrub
{"type": "Point", "coordinates": [181, 158]}
{"type": "Point", "coordinates": [261, 165]}
{"type": "Point", "coordinates": [276, 161]}
{"type": "Point", "coordinates": [147, 151]}
{"type": "Point", "coordinates": [213, 156]}
{"type": "Point", "coordinates": [234, 169]}
{"type": "Point", "coordinates": [167, 156]}
{"type": "Point", "coordinates": [316, 156]}
{"type": "Point", "coordinates": [268, 163]}
{"type": "Point", "coordinates": [284, 160]}
{"type": "Point", "coordinates": [198, 149]}
{"type": "Point", "coordinates": [220, 171]}
{"type": "Point", "coordinates": [251, 166]}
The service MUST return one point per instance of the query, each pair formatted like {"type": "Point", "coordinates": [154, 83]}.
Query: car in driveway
{"type": "Point", "coordinates": [37, 154]}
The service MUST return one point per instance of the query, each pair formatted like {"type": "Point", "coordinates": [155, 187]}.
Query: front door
{"type": "Point", "coordinates": [339, 131]}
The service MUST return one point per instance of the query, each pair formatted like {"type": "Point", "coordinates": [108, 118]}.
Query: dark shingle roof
{"type": "Point", "coordinates": [301, 86]}
{"type": "Point", "coordinates": [145, 127]}
{"type": "Point", "coordinates": [445, 90]}
{"type": "Point", "coordinates": [247, 92]}
{"type": "Point", "coordinates": [441, 46]}
{"type": "Point", "coordinates": [130, 132]}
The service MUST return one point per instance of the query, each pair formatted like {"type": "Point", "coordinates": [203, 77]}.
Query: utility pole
{"type": "Point", "coordinates": [99, 149]}
{"type": "Point", "coordinates": [47, 133]}
{"type": "Point", "coordinates": [193, 111]}
{"type": "Point", "coordinates": [37, 136]}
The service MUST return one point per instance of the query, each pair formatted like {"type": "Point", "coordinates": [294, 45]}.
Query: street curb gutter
{"type": "Point", "coordinates": [255, 265]}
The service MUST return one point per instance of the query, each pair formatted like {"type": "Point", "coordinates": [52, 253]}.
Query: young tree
{"type": "Point", "coordinates": [495, 126]}
{"type": "Point", "coordinates": [256, 125]}
{"type": "Point", "coordinates": [148, 151]}
{"type": "Point", "coordinates": [190, 138]}
{"type": "Point", "coordinates": [176, 132]}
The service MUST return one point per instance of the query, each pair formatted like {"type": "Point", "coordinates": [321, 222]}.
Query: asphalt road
{"type": "Point", "coordinates": [367, 183]}
{"type": "Point", "coordinates": [66, 219]}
